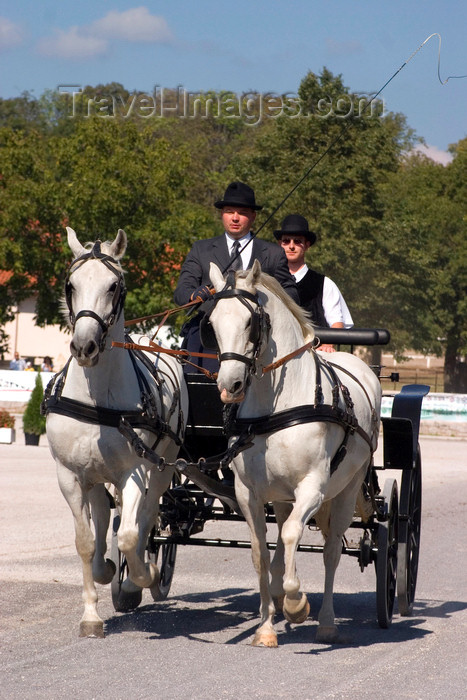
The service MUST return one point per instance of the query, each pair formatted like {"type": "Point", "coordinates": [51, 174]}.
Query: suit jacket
{"type": "Point", "coordinates": [195, 269]}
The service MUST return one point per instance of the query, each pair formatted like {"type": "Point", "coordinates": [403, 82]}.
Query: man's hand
{"type": "Point", "coordinates": [201, 294]}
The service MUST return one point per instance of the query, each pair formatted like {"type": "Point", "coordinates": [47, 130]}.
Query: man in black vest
{"type": "Point", "coordinates": [232, 249]}
{"type": "Point", "coordinates": [319, 295]}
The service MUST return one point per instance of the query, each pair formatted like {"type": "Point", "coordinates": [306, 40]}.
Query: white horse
{"type": "Point", "coordinates": [292, 466]}
{"type": "Point", "coordinates": [91, 443]}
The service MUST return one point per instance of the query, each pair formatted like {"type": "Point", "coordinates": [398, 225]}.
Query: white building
{"type": "Point", "coordinates": [34, 342]}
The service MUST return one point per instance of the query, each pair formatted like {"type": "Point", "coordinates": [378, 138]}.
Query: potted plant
{"type": "Point", "coordinates": [33, 420]}
{"type": "Point", "coordinates": [7, 427]}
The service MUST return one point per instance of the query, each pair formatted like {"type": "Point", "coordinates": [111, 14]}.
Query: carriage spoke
{"type": "Point", "coordinates": [386, 560]}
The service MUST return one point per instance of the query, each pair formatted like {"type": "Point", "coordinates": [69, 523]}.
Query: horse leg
{"type": "Point", "coordinates": [308, 499]}
{"type": "Point", "coordinates": [91, 624]}
{"type": "Point", "coordinates": [253, 511]}
{"type": "Point", "coordinates": [133, 521]}
{"type": "Point", "coordinates": [282, 512]}
{"type": "Point", "coordinates": [341, 512]}
{"type": "Point", "coordinates": [158, 483]}
{"type": "Point", "coordinates": [103, 570]}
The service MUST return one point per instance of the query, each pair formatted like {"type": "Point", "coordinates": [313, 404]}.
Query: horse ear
{"type": "Point", "coordinates": [118, 247]}
{"type": "Point", "coordinates": [253, 275]}
{"type": "Point", "coordinates": [216, 276]}
{"type": "Point", "coordinates": [76, 248]}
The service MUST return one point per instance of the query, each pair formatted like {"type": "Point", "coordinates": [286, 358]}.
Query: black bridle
{"type": "Point", "coordinates": [119, 295]}
{"type": "Point", "coordinates": [260, 325]}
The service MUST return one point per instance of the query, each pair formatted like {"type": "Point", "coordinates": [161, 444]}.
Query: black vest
{"type": "Point", "coordinates": [310, 290]}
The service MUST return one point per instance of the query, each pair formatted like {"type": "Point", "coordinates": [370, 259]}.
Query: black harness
{"type": "Point", "coordinates": [300, 415]}
{"type": "Point", "coordinates": [260, 325]}
{"type": "Point", "coordinates": [246, 428]}
{"type": "Point", "coordinates": [119, 295]}
{"type": "Point", "coordinates": [147, 417]}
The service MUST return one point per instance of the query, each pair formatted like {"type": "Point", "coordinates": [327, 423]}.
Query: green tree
{"type": "Point", "coordinates": [104, 176]}
{"type": "Point", "coordinates": [425, 245]}
{"type": "Point", "coordinates": [451, 240]}
{"type": "Point", "coordinates": [350, 153]}
{"type": "Point", "coordinates": [33, 420]}
{"type": "Point", "coordinates": [23, 113]}
{"type": "Point", "coordinates": [391, 228]}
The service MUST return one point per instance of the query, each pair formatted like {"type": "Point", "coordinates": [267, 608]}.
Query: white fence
{"type": "Point", "coordinates": [439, 407]}
{"type": "Point", "coordinates": [16, 387]}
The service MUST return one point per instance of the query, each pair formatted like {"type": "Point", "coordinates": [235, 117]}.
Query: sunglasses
{"type": "Point", "coordinates": [295, 241]}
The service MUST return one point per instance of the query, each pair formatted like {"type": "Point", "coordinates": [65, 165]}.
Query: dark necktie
{"type": "Point", "coordinates": [235, 258]}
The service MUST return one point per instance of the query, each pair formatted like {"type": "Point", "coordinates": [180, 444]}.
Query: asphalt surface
{"type": "Point", "coordinates": [196, 644]}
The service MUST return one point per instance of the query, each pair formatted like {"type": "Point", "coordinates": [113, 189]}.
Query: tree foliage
{"type": "Point", "coordinates": [391, 227]}
{"type": "Point", "coordinates": [33, 420]}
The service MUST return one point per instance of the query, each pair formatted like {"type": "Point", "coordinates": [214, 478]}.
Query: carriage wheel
{"type": "Point", "coordinates": [410, 521]}
{"type": "Point", "coordinates": [123, 601]}
{"type": "Point", "coordinates": [166, 554]}
{"type": "Point", "coordinates": [386, 558]}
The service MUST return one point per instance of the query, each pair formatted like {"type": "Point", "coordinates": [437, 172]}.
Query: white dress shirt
{"type": "Point", "coordinates": [245, 254]}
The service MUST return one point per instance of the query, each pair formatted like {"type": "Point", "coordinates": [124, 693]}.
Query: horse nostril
{"type": "Point", "coordinates": [90, 349]}
{"type": "Point", "coordinates": [236, 387]}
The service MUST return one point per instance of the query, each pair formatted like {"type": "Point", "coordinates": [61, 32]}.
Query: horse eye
{"type": "Point", "coordinates": [112, 288]}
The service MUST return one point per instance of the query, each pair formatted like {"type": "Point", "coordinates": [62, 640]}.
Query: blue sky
{"type": "Point", "coordinates": [246, 45]}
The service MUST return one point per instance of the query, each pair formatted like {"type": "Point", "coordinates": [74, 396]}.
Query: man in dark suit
{"type": "Point", "coordinates": [233, 249]}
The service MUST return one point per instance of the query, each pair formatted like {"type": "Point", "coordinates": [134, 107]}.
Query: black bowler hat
{"type": "Point", "coordinates": [295, 224]}
{"type": "Point", "coordinates": [238, 194]}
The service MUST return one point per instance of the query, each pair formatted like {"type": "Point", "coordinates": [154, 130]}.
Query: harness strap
{"type": "Point", "coordinates": [89, 313]}
{"type": "Point", "coordinates": [182, 354]}
{"type": "Point", "coordinates": [124, 421]}
{"type": "Point", "coordinates": [156, 348]}
{"type": "Point", "coordinates": [286, 358]}
{"type": "Point", "coordinates": [110, 417]}
{"type": "Point", "coordinates": [349, 374]}
{"type": "Point", "coordinates": [300, 415]}
{"type": "Point", "coordinates": [235, 356]}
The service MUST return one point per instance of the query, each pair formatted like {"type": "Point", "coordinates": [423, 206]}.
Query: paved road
{"type": "Point", "coordinates": [196, 644]}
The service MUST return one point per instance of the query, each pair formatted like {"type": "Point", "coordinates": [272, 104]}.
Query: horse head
{"type": "Point", "coordinates": [241, 328]}
{"type": "Point", "coordinates": [95, 293]}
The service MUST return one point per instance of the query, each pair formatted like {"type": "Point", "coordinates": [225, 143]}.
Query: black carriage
{"type": "Point", "coordinates": [389, 517]}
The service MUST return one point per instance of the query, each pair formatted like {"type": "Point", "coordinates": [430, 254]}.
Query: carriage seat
{"type": "Point", "coordinates": [402, 429]}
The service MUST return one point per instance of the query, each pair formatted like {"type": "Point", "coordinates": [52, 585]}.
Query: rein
{"type": "Point", "coordinates": [298, 415]}
{"type": "Point", "coordinates": [246, 428]}
{"type": "Point", "coordinates": [229, 291]}
{"type": "Point", "coordinates": [182, 354]}
{"type": "Point", "coordinates": [286, 358]}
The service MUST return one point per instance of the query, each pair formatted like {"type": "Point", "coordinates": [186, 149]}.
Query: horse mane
{"type": "Point", "coordinates": [302, 316]}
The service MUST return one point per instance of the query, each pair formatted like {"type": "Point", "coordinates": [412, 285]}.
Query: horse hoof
{"type": "Point", "coordinates": [278, 603]}
{"type": "Point", "coordinates": [112, 568]}
{"type": "Point", "coordinates": [296, 612]}
{"type": "Point", "coordinates": [265, 639]}
{"type": "Point", "coordinates": [107, 574]}
{"type": "Point", "coordinates": [327, 635]}
{"type": "Point", "coordinates": [92, 629]}
{"type": "Point", "coordinates": [129, 587]}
